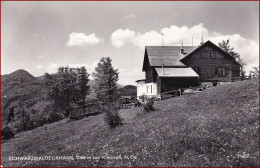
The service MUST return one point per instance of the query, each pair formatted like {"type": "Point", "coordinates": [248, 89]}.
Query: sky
{"type": "Point", "coordinates": [40, 37]}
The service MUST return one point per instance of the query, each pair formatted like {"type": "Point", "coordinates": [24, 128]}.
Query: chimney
{"type": "Point", "coordinates": [162, 70]}
{"type": "Point", "coordinates": [182, 50]}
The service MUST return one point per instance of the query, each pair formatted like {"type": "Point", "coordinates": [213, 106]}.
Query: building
{"type": "Point", "coordinates": [169, 68]}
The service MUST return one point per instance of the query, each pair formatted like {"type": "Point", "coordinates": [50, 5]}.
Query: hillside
{"type": "Point", "coordinates": [20, 87]}
{"type": "Point", "coordinates": [217, 127]}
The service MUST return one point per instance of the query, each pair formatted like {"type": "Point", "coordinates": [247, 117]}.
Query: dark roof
{"type": "Point", "coordinates": [201, 45]}
{"type": "Point", "coordinates": [166, 55]}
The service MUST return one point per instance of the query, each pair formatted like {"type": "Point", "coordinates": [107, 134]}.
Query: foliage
{"type": "Point", "coordinates": [148, 106]}
{"type": "Point", "coordinates": [224, 45]}
{"type": "Point", "coordinates": [68, 88]}
{"type": "Point", "coordinates": [10, 115]}
{"type": "Point", "coordinates": [6, 133]}
{"type": "Point", "coordinates": [105, 76]}
{"type": "Point", "coordinates": [112, 118]}
{"type": "Point", "coordinates": [83, 87]}
{"type": "Point", "coordinates": [254, 72]}
{"type": "Point", "coordinates": [24, 117]}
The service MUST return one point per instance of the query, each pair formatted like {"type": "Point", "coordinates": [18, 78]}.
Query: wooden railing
{"type": "Point", "coordinates": [90, 108]}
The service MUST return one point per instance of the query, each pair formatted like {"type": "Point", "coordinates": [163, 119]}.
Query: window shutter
{"type": "Point", "coordinates": [216, 71]}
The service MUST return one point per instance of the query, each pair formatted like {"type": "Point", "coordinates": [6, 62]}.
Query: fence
{"type": "Point", "coordinates": [90, 108]}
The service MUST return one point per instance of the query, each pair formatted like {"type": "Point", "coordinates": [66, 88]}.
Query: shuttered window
{"type": "Point", "coordinates": [221, 72]}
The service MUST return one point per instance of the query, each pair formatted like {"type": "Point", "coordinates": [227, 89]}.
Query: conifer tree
{"type": "Point", "coordinates": [224, 45]}
{"type": "Point", "coordinates": [106, 77]}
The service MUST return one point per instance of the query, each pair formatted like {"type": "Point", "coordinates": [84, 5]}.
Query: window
{"type": "Point", "coordinates": [221, 72]}
{"type": "Point", "coordinates": [206, 54]}
{"type": "Point", "coordinates": [151, 88]}
{"type": "Point", "coordinates": [214, 54]}
{"type": "Point", "coordinates": [149, 73]}
{"type": "Point", "coordinates": [210, 54]}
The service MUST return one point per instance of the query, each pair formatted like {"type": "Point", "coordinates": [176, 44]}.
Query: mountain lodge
{"type": "Point", "coordinates": [170, 68]}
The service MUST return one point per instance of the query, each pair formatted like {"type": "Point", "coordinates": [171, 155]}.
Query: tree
{"type": "Point", "coordinates": [10, 115]}
{"type": "Point", "coordinates": [106, 77]}
{"type": "Point", "coordinates": [25, 117]}
{"type": "Point", "coordinates": [68, 88]}
{"type": "Point", "coordinates": [224, 45]}
{"type": "Point", "coordinates": [83, 87]}
{"type": "Point", "coordinates": [254, 72]}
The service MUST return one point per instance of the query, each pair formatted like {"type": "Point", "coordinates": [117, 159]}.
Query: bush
{"type": "Point", "coordinates": [54, 117]}
{"type": "Point", "coordinates": [112, 118]}
{"type": "Point", "coordinates": [7, 133]}
{"type": "Point", "coordinates": [148, 106]}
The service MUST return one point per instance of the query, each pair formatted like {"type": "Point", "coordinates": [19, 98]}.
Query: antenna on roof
{"type": "Point", "coordinates": [162, 39]}
{"type": "Point", "coordinates": [202, 38]}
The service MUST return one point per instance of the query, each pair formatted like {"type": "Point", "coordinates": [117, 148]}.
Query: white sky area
{"type": "Point", "coordinates": [41, 36]}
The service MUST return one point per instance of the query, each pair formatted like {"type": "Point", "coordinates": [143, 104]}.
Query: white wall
{"type": "Point", "coordinates": [140, 88]}
{"type": "Point", "coordinates": [151, 89]}
{"type": "Point", "coordinates": [146, 89]}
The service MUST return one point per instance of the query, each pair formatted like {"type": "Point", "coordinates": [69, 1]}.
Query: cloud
{"type": "Point", "coordinates": [125, 75]}
{"type": "Point", "coordinates": [52, 68]}
{"type": "Point", "coordinates": [120, 37]}
{"type": "Point", "coordinates": [248, 49]}
{"type": "Point", "coordinates": [39, 66]}
{"type": "Point", "coordinates": [132, 15]}
{"type": "Point", "coordinates": [80, 39]}
{"type": "Point", "coordinates": [174, 35]}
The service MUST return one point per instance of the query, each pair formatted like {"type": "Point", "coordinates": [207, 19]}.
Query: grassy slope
{"type": "Point", "coordinates": [217, 127]}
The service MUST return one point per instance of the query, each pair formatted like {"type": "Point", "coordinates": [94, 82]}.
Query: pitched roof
{"type": "Point", "coordinates": [166, 55]}
{"type": "Point", "coordinates": [176, 72]}
{"type": "Point", "coordinates": [207, 42]}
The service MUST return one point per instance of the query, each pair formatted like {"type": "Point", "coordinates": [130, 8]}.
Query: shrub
{"type": "Point", "coordinates": [55, 116]}
{"type": "Point", "coordinates": [112, 118]}
{"type": "Point", "coordinates": [6, 133]}
{"type": "Point", "coordinates": [148, 106]}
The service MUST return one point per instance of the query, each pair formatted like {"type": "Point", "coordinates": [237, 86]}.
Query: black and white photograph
{"type": "Point", "coordinates": [129, 83]}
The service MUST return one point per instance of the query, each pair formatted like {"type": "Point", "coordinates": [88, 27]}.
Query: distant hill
{"type": "Point", "coordinates": [20, 75]}
{"type": "Point", "coordinates": [92, 83]}
{"type": "Point", "coordinates": [21, 88]}
{"type": "Point", "coordinates": [41, 78]}
{"type": "Point", "coordinates": [128, 90]}
{"type": "Point", "coordinates": [218, 127]}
